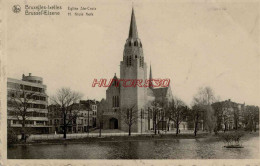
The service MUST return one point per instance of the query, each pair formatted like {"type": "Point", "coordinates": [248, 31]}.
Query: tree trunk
{"type": "Point", "coordinates": [88, 122]}
{"type": "Point", "coordinates": [129, 130]}
{"type": "Point", "coordinates": [196, 125]}
{"type": "Point", "coordinates": [177, 127]}
{"type": "Point", "coordinates": [100, 129]}
{"type": "Point", "coordinates": [149, 120]}
{"type": "Point", "coordinates": [64, 126]}
{"type": "Point", "coordinates": [23, 132]}
{"type": "Point", "coordinates": [155, 128]}
{"type": "Point", "coordinates": [168, 125]}
{"type": "Point", "coordinates": [195, 129]}
{"type": "Point", "coordinates": [64, 132]}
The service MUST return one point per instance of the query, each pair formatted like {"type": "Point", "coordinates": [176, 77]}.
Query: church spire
{"type": "Point", "coordinates": [150, 78]}
{"type": "Point", "coordinates": [133, 28]}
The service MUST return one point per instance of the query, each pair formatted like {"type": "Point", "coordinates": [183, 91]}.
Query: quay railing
{"type": "Point", "coordinates": [96, 134]}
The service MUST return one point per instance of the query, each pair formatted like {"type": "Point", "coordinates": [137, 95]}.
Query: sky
{"type": "Point", "coordinates": [194, 44]}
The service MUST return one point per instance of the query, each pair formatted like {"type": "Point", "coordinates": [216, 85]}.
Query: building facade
{"type": "Point", "coordinates": [81, 119]}
{"type": "Point", "coordinates": [229, 114]}
{"type": "Point", "coordinates": [27, 103]}
{"type": "Point", "coordinates": [121, 99]}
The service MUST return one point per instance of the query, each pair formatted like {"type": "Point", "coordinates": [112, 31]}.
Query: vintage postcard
{"type": "Point", "coordinates": [128, 82]}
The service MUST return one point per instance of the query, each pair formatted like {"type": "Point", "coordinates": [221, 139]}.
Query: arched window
{"type": "Point", "coordinates": [135, 56]}
{"type": "Point", "coordinates": [141, 45]}
{"type": "Point", "coordinates": [135, 43]}
{"type": "Point", "coordinates": [116, 101]}
{"type": "Point", "coordinates": [113, 101]}
{"type": "Point", "coordinates": [129, 43]}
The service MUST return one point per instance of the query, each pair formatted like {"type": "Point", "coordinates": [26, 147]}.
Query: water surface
{"type": "Point", "coordinates": [203, 148]}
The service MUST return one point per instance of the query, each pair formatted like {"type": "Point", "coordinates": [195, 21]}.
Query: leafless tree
{"type": "Point", "coordinates": [65, 99]}
{"type": "Point", "coordinates": [251, 117]}
{"type": "Point", "coordinates": [203, 100]}
{"type": "Point", "coordinates": [129, 117]}
{"type": "Point", "coordinates": [157, 115]}
{"type": "Point", "coordinates": [19, 100]}
{"type": "Point", "coordinates": [102, 106]}
{"type": "Point", "coordinates": [177, 112]}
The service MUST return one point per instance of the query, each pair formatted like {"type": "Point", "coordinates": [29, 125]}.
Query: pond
{"type": "Point", "coordinates": [203, 148]}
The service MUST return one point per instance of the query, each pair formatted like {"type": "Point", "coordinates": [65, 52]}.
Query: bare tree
{"type": "Point", "coordinates": [203, 100]}
{"type": "Point", "coordinates": [196, 115]}
{"type": "Point", "coordinates": [251, 117]}
{"type": "Point", "coordinates": [178, 111]}
{"type": "Point", "coordinates": [219, 114]}
{"type": "Point", "coordinates": [102, 106]}
{"type": "Point", "coordinates": [156, 115]}
{"type": "Point", "coordinates": [65, 99]}
{"type": "Point", "coordinates": [129, 117]}
{"type": "Point", "coordinates": [20, 101]}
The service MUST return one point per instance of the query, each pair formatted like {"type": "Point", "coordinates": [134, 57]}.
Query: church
{"type": "Point", "coordinates": [121, 99]}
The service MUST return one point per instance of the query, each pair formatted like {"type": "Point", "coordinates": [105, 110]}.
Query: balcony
{"type": "Point", "coordinates": [39, 110]}
{"type": "Point", "coordinates": [29, 125]}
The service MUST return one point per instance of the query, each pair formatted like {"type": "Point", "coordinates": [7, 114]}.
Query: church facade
{"type": "Point", "coordinates": [121, 99]}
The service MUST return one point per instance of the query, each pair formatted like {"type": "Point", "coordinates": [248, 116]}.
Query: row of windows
{"type": "Point", "coordinates": [29, 105]}
{"type": "Point", "coordinates": [31, 88]}
{"type": "Point", "coordinates": [86, 114]}
{"type": "Point", "coordinates": [129, 61]}
{"type": "Point", "coordinates": [29, 114]}
{"type": "Point", "coordinates": [141, 62]}
{"type": "Point", "coordinates": [35, 81]}
{"type": "Point", "coordinates": [25, 87]}
{"type": "Point", "coordinates": [80, 121]}
{"type": "Point", "coordinates": [28, 122]}
{"type": "Point", "coordinates": [94, 107]}
{"type": "Point", "coordinates": [115, 101]}
{"type": "Point", "coordinates": [135, 44]}
{"type": "Point", "coordinates": [34, 97]}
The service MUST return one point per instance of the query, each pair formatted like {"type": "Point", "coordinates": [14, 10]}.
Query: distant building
{"type": "Point", "coordinates": [37, 112]}
{"type": "Point", "coordinates": [229, 114]}
{"type": "Point", "coordinates": [86, 115]}
{"type": "Point", "coordinates": [91, 106]}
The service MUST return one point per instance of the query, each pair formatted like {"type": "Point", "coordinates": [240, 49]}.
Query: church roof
{"type": "Point", "coordinates": [160, 92]}
{"type": "Point", "coordinates": [133, 28]}
{"type": "Point", "coordinates": [115, 82]}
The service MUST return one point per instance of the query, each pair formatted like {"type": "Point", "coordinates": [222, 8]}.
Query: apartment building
{"type": "Point", "coordinates": [27, 104]}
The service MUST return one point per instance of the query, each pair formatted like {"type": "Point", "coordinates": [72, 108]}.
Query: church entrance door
{"type": "Point", "coordinates": [113, 123]}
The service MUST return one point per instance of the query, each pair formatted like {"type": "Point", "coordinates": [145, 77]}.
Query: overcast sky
{"type": "Point", "coordinates": [193, 44]}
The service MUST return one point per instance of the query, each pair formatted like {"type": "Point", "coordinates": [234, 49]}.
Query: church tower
{"type": "Point", "coordinates": [133, 67]}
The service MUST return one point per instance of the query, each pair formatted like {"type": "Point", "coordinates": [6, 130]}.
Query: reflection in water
{"type": "Point", "coordinates": [160, 149]}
